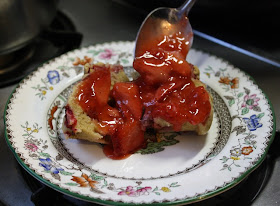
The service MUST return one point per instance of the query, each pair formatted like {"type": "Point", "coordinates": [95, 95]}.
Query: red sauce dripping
{"type": "Point", "coordinates": [129, 136]}
{"type": "Point", "coordinates": [109, 152]}
{"type": "Point", "coordinates": [164, 90]}
{"type": "Point", "coordinates": [166, 85]}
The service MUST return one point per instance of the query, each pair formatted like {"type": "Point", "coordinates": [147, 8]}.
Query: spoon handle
{"type": "Point", "coordinates": [186, 7]}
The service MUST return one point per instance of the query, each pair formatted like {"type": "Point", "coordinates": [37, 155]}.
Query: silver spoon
{"type": "Point", "coordinates": [165, 21]}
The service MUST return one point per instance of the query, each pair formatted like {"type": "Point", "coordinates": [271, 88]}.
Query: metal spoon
{"type": "Point", "coordinates": [165, 21]}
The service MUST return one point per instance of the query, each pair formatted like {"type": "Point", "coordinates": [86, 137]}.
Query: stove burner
{"type": "Point", "coordinates": [11, 61]}
{"type": "Point", "coordinates": [60, 37]}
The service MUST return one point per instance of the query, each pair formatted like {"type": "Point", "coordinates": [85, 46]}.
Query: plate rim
{"type": "Point", "coordinates": [197, 198]}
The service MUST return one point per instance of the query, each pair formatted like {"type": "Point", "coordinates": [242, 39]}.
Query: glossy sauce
{"type": "Point", "coordinates": [121, 122]}
{"type": "Point", "coordinates": [93, 96]}
{"type": "Point", "coordinates": [110, 153]}
{"type": "Point", "coordinates": [166, 85]}
{"type": "Point", "coordinates": [164, 90]}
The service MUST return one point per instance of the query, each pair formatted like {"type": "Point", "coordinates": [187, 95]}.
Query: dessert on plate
{"type": "Point", "coordinates": [105, 107]}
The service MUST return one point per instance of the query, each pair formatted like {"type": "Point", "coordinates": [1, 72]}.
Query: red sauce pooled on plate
{"type": "Point", "coordinates": [164, 90]}
{"type": "Point", "coordinates": [109, 152]}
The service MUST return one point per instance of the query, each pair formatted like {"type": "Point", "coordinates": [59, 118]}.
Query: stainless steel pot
{"type": "Point", "coordinates": [22, 20]}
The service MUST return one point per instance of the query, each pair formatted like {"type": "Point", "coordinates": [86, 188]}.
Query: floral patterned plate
{"type": "Point", "coordinates": [178, 168]}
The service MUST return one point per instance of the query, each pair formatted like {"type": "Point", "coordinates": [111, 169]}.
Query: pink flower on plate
{"type": "Point", "coordinates": [144, 190]}
{"type": "Point", "coordinates": [107, 54]}
{"type": "Point", "coordinates": [31, 147]}
{"type": "Point", "coordinates": [250, 101]}
{"type": "Point", "coordinates": [129, 192]}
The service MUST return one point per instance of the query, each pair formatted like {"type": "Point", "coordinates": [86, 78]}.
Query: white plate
{"type": "Point", "coordinates": [181, 168]}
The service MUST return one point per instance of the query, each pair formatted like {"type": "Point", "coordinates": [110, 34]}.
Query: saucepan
{"type": "Point", "coordinates": [22, 20]}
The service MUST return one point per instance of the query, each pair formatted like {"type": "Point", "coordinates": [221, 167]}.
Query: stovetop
{"type": "Point", "coordinates": [61, 36]}
{"type": "Point", "coordinates": [106, 21]}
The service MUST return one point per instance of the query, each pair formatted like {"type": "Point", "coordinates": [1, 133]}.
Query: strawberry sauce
{"type": "Point", "coordinates": [166, 86]}
{"type": "Point", "coordinates": [164, 90]}
{"type": "Point", "coordinates": [93, 97]}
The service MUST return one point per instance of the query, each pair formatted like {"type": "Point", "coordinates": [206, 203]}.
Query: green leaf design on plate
{"type": "Point", "coordinates": [124, 61]}
{"type": "Point", "coordinates": [260, 115]}
{"type": "Point", "coordinates": [240, 94]}
{"type": "Point", "coordinates": [209, 68]}
{"type": "Point", "coordinates": [156, 189]}
{"type": "Point", "coordinates": [245, 110]}
{"type": "Point", "coordinates": [96, 177]}
{"type": "Point", "coordinates": [150, 149]}
{"type": "Point", "coordinates": [224, 159]}
{"type": "Point", "coordinates": [44, 154]}
{"type": "Point", "coordinates": [174, 184]}
{"type": "Point", "coordinates": [62, 67]}
{"type": "Point", "coordinates": [71, 184]}
{"type": "Point", "coordinates": [154, 147]}
{"type": "Point", "coordinates": [65, 173]}
{"type": "Point", "coordinates": [247, 142]}
{"type": "Point", "coordinates": [231, 102]}
{"type": "Point", "coordinates": [94, 52]}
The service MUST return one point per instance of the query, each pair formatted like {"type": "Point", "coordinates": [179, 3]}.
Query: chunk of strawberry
{"type": "Point", "coordinates": [199, 105]}
{"type": "Point", "coordinates": [152, 67]}
{"type": "Point", "coordinates": [188, 104]}
{"type": "Point", "coordinates": [70, 120]}
{"type": "Point", "coordinates": [94, 91]}
{"type": "Point", "coordinates": [108, 120]}
{"type": "Point", "coordinates": [128, 138]}
{"type": "Point", "coordinates": [179, 64]}
{"type": "Point", "coordinates": [127, 97]}
{"type": "Point", "coordinates": [156, 66]}
{"type": "Point", "coordinates": [101, 85]}
{"type": "Point", "coordinates": [168, 87]}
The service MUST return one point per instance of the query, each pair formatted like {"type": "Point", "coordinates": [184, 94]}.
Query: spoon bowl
{"type": "Point", "coordinates": [163, 22]}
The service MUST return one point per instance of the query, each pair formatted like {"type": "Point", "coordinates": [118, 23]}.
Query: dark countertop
{"type": "Point", "coordinates": [106, 21]}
